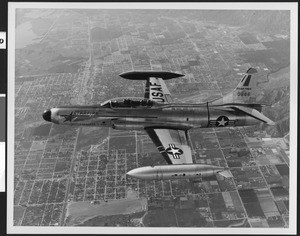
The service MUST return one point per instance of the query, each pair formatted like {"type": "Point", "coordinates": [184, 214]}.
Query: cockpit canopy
{"type": "Point", "coordinates": [128, 102]}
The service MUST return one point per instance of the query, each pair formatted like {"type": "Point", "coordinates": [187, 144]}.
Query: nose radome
{"type": "Point", "coordinates": [47, 115]}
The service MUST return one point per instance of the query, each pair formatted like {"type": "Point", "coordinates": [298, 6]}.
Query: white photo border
{"type": "Point", "coordinates": [291, 6]}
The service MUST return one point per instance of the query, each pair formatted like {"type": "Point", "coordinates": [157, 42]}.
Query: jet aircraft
{"type": "Point", "coordinates": [168, 122]}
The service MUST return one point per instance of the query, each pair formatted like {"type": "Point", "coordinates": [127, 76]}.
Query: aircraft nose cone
{"type": "Point", "coordinates": [47, 115]}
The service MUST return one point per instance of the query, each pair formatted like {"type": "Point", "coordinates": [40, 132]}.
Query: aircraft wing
{"type": "Point", "coordinates": [172, 144]}
{"type": "Point", "coordinates": [157, 90]}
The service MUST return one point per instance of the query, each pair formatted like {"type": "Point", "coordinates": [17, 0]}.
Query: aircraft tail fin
{"type": "Point", "coordinates": [245, 92]}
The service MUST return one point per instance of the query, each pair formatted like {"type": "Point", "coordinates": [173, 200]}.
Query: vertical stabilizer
{"type": "Point", "coordinates": [245, 92]}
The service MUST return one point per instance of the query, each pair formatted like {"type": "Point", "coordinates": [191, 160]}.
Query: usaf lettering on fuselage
{"type": "Point", "coordinates": [156, 92]}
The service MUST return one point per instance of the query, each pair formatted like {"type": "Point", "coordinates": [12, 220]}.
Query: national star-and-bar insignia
{"type": "Point", "coordinates": [221, 121]}
{"type": "Point", "coordinates": [69, 117]}
{"type": "Point", "coordinates": [174, 151]}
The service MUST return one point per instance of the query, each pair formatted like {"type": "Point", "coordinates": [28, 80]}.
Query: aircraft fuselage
{"type": "Point", "coordinates": [184, 116]}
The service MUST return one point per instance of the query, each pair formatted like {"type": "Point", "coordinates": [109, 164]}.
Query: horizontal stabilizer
{"type": "Point", "coordinates": [226, 174]}
{"type": "Point", "coordinates": [256, 114]}
{"type": "Point", "coordinates": [144, 75]}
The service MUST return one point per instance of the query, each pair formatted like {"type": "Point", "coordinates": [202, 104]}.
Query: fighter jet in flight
{"type": "Point", "coordinates": [167, 122]}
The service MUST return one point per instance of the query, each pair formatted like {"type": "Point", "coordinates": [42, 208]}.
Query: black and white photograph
{"type": "Point", "coordinates": [152, 118]}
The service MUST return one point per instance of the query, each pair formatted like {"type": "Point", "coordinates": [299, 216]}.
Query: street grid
{"type": "Point", "coordinates": [51, 171]}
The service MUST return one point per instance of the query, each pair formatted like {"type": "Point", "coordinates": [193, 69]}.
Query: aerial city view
{"type": "Point", "coordinates": [68, 175]}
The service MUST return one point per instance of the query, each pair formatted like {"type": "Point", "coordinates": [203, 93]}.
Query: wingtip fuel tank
{"type": "Point", "coordinates": [186, 171]}
{"type": "Point", "coordinates": [144, 75]}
